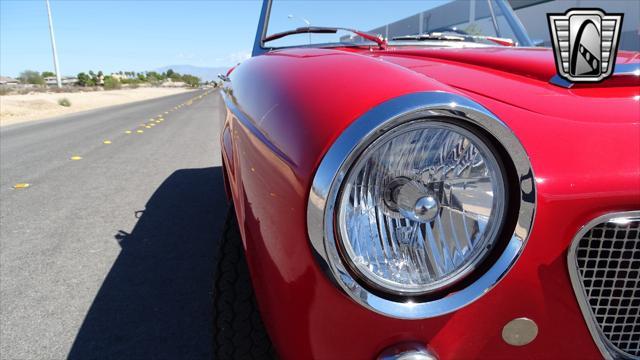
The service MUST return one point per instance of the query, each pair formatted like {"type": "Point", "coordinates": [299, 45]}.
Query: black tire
{"type": "Point", "coordinates": [238, 329]}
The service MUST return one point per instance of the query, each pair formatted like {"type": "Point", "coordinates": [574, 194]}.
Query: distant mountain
{"type": "Point", "coordinates": [204, 73]}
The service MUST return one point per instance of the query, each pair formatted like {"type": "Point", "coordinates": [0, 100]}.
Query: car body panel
{"type": "Point", "coordinates": [285, 109]}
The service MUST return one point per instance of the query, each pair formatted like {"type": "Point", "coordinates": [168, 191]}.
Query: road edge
{"type": "Point", "coordinates": [85, 112]}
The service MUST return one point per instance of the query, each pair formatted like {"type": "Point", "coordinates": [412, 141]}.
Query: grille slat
{"type": "Point", "coordinates": [606, 275]}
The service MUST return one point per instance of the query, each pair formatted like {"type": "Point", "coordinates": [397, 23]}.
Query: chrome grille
{"type": "Point", "coordinates": [604, 262]}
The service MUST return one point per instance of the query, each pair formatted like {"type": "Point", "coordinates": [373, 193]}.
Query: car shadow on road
{"type": "Point", "coordinates": [155, 303]}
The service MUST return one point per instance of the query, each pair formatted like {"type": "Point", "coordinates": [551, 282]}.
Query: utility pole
{"type": "Point", "coordinates": [53, 47]}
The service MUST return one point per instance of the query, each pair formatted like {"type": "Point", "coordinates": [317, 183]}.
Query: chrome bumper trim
{"type": "Point", "coordinates": [407, 351]}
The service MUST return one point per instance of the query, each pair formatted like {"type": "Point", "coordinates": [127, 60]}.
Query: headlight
{"type": "Point", "coordinates": [421, 207]}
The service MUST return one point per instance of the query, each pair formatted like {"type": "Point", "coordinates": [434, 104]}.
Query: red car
{"type": "Point", "coordinates": [430, 194]}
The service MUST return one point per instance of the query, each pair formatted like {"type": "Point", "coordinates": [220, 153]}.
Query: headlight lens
{"type": "Point", "coordinates": [421, 207]}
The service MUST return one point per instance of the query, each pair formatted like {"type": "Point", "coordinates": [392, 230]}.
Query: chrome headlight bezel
{"type": "Point", "coordinates": [478, 253]}
{"type": "Point", "coordinates": [321, 212]}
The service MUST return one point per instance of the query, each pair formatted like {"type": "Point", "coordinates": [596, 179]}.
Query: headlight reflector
{"type": "Point", "coordinates": [421, 207]}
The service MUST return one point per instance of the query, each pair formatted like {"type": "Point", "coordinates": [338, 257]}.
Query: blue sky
{"type": "Point", "coordinates": [144, 35]}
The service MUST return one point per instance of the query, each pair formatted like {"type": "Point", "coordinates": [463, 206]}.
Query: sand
{"type": "Point", "coordinates": [16, 109]}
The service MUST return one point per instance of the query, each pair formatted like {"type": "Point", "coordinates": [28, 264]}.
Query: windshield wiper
{"type": "Point", "coordinates": [382, 43]}
{"type": "Point", "coordinates": [455, 37]}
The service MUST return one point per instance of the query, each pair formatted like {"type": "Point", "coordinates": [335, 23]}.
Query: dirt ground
{"type": "Point", "coordinates": [16, 109]}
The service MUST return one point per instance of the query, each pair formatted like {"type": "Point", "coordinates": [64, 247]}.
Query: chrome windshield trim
{"type": "Point", "coordinates": [265, 13]}
{"type": "Point", "coordinates": [339, 158]}
{"type": "Point", "coordinates": [506, 11]}
{"type": "Point", "coordinates": [608, 350]}
{"type": "Point", "coordinates": [441, 43]}
{"type": "Point", "coordinates": [515, 23]}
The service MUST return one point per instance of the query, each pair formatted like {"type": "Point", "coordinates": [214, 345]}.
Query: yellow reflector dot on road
{"type": "Point", "coordinates": [148, 127]}
{"type": "Point", "coordinates": [152, 124]}
{"type": "Point", "coordinates": [140, 131]}
{"type": "Point", "coordinates": [107, 142]}
{"type": "Point", "coordinates": [158, 121]}
{"type": "Point", "coordinates": [21, 185]}
{"type": "Point", "coordinates": [76, 157]}
{"type": "Point", "coordinates": [127, 132]}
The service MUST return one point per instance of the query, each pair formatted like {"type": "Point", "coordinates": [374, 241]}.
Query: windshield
{"type": "Point", "coordinates": [468, 21]}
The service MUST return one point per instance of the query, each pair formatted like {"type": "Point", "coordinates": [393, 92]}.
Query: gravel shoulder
{"type": "Point", "coordinates": [16, 109]}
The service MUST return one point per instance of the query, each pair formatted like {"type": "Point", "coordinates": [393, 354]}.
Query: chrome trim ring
{"type": "Point", "coordinates": [342, 154]}
{"type": "Point", "coordinates": [608, 350]}
{"type": "Point", "coordinates": [407, 351]}
{"type": "Point", "coordinates": [492, 227]}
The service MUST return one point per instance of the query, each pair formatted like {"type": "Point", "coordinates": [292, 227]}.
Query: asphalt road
{"type": "Point", "coordinates": [111, 256]}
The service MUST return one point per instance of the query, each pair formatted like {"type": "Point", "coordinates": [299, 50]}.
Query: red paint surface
{"type": "Point", "coordinates": [584, 147]}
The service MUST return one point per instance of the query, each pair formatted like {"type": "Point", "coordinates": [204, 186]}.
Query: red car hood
{"type": "Point", "coordinates": [507, 74]}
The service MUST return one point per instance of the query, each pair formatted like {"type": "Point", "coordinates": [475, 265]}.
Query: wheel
{"type": "Point", "coordinates": [238, 329]}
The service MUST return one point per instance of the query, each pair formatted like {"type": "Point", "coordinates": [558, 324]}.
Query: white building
{"type": "Point", "coordinates": [8, 81]}
{"type": "Point", "coordinates": [533, 15]}
{"type": "Point", "coordinates": [66, 80]}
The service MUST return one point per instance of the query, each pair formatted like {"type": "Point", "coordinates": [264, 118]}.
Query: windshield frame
{"type": "Point", "coordinates": [259, 47]}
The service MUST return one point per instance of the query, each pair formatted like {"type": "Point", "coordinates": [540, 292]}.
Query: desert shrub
{"type": "Point", "coordinates": [31, 77]}
{"type": "Point", "coordinates": [85, 80]}
{"type": "Point", "coordinates": [64, 102]}
{"type": "Point", "coordinates": [111, 83]}
{"type": "Point", "coordinates": [131, 83]}
{"type": "Point", "coordinates": [191, 80]}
